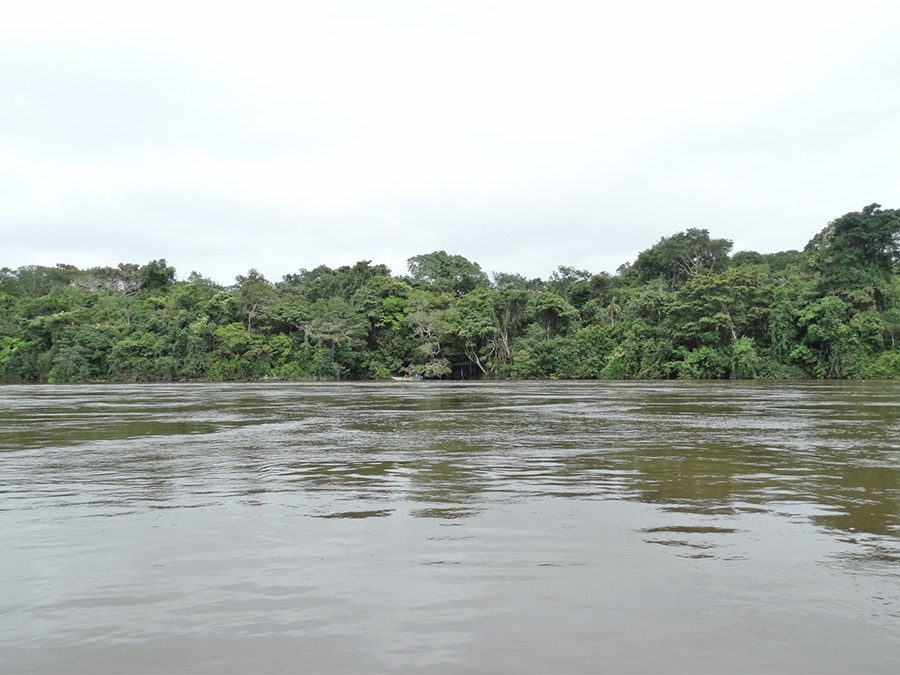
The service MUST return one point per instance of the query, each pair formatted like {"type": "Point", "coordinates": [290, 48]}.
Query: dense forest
{"type": "Point", "coordinates": [687, 307]}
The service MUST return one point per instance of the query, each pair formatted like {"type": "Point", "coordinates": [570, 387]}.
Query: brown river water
{"type": "Point", "coordinates": [530, 527]}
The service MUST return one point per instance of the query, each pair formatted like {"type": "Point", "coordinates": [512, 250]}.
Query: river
{"type": "Point", "coordinates": [528, 527]}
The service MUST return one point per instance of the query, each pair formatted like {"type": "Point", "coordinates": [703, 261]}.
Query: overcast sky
{"type": "Point", "coordinates": [523, 135]}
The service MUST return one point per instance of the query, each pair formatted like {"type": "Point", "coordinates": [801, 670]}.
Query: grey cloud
{"type": "Point", "coordinates": [113, 97]}
{"type": "Point", "coordinates": [768, 173]}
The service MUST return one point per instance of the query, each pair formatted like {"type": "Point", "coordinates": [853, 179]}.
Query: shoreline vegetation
{"type": "Point", "coordinates": [686, 308]}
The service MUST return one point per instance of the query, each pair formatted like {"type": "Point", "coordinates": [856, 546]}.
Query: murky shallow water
{"type": "Point", "coordinates": [438, 527]}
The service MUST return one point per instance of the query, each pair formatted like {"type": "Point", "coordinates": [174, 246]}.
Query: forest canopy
{"type": "Point", "coordinates": [687, 307]}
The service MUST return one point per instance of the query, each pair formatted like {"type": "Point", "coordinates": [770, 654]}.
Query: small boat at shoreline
{"type": "Point", "coordinates": [407, 378]}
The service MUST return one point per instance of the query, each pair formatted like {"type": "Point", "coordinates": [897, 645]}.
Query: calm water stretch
{"type": "Point", "coordinates": [450, 527]}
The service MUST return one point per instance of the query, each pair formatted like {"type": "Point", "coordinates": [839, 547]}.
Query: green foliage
{"type": "Point", "coordinates": [745, 361]}
{"type": "Point", "coordinates": [885, 367]}
{"type": "Point", "coordinates": [552, 314]}
{"type": "Point", "coordinates": [31, 281]}
{"type": "Point", "coordinates": [323, 282]}
{"type": "Point", "coordinates": [642, 352]}
{"type": "Point", "coordinates": [684, 309]}
{"type": "Point", "coordinates": [571, 285]}
{"type": "Point", "coordinates": [451, 273]}
{"type": "Point", "coordinates": [156, 275]}
{"type": "Point", "coordinates": [17, 360]}
{"type": "Point", "coordinates": [702, 363]}
{"type": "Point", "coordinates": [838, 341]}
{"type": "Point", "coordinates": [857, 254]}
{"type": "Point", "coordinates": [586, 354]}
{"type": "Point", "coordinates": [472, 322]}
{"type": "Point", "coordinates": [775, 262]}
{"type": "Point", "coordinates": [253, 296]}
{"type": "Point", "coordinates": [517, 281]}
{"type": "Point", "coordinates": [510, 310]}
{"type": "Point", "coordinates": [677, 258]}
{"type": "Point", "coordinates": [715, 310]}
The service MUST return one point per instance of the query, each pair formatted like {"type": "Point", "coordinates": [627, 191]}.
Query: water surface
{"type": "Point", "coordinates": [450, 527]}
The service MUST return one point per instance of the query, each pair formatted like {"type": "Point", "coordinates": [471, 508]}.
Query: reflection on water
{"type": "Point", "coordinates": [240, 527]}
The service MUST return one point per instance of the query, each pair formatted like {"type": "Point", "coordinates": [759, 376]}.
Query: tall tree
{"type": "Point", "coordinates": [156, 275]}
{"type": "Point", "coordinates": [452, 273]}
{"type": "Point", "coordinates": [717, 310]}
{"type": "Point", "coordinates": [253, 296]}
{"type": "Point", "coordinates": [682, 256]}
{"type": "Point", "coordinates": [474, 322]}
{"type": "Point", "coordinates": [857, 254]}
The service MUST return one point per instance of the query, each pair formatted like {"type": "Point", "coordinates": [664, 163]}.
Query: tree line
{"type": "Point", "coordinates": [687, 307]}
